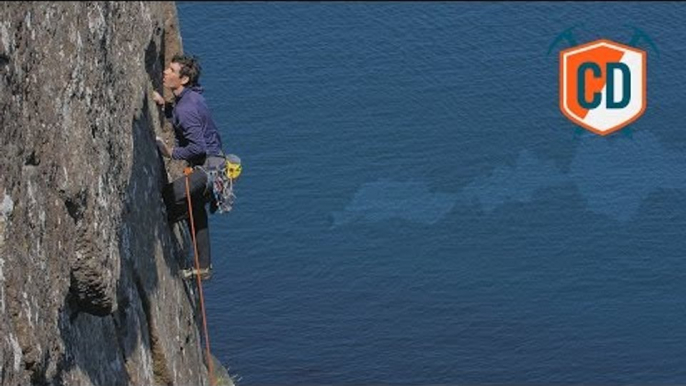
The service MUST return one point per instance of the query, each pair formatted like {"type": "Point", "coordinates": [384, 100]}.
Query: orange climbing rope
{"type": "Point", "coordinates": [187, 172]}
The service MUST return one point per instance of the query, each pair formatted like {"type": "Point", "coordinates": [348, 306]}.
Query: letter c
{"type": "Point", "coordinates": [581, 85]}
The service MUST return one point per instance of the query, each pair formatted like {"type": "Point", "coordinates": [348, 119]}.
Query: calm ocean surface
{"type": "Point", "coordinates": [415, 209]}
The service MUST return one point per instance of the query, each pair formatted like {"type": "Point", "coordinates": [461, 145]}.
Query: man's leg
{"type": "Point", "coordinates": [202, 233]}
{"type": "Point", "coordinates": [198, 182]}
{"type": "Point", "coordinates": [174, 195]}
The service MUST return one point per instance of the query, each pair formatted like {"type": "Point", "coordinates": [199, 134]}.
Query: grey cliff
{"type": "Point", "coordinates": [89, 286]}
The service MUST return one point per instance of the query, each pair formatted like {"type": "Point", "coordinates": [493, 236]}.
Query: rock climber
{"type": "Point", "coordinates": [198, 143]}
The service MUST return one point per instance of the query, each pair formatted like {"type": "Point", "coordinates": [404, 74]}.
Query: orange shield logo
{"type": "Point", "coordinates": [603, 85]}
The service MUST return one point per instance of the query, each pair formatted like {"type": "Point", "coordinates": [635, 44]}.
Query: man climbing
{"type": "Point", "coordinates": [198, 143]}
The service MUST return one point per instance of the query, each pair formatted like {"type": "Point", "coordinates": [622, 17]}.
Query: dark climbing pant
{"type": "Point", "coordinates": [177, 209]}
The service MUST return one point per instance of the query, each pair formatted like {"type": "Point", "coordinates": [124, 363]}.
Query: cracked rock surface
{"type": "Point", "coordinates": [89, 285]}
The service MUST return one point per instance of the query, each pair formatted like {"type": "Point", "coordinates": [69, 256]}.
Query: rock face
{"type": "Point", "coordinates": [89, 285]}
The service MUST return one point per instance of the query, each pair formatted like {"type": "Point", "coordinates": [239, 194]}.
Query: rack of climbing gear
{"type": "Point", "coordinates": [220, 182]}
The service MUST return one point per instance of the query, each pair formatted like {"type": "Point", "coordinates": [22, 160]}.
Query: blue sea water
{"type": "Point", "coordinates": [415, 209]}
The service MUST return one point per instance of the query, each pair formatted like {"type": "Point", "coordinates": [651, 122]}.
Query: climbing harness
{"type": "Point", "coordinates": [208, 358]}
{"type": "Point", "coordinates": [220, 182]}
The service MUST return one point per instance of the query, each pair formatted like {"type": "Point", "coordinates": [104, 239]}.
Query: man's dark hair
{"type": "Point", "coordinates": [190, 67]}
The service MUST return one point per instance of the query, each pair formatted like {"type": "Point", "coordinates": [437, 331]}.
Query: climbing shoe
{"type": "Point", "coordinates": [205, 273]}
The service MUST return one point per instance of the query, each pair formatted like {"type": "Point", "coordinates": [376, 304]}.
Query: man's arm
{"type": "Point", "coordinates": [167, 106]}
{"type": "Point", "coordinates": [159, 100]}
{"type": "Point", "coordinates": [164, 149]}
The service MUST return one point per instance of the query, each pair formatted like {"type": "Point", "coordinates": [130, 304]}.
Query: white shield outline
{"type": "Point", "coordinates": [594, 126]}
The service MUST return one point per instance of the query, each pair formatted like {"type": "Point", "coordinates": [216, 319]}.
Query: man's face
{"type": "Point", "coordinates": [172, 77]}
